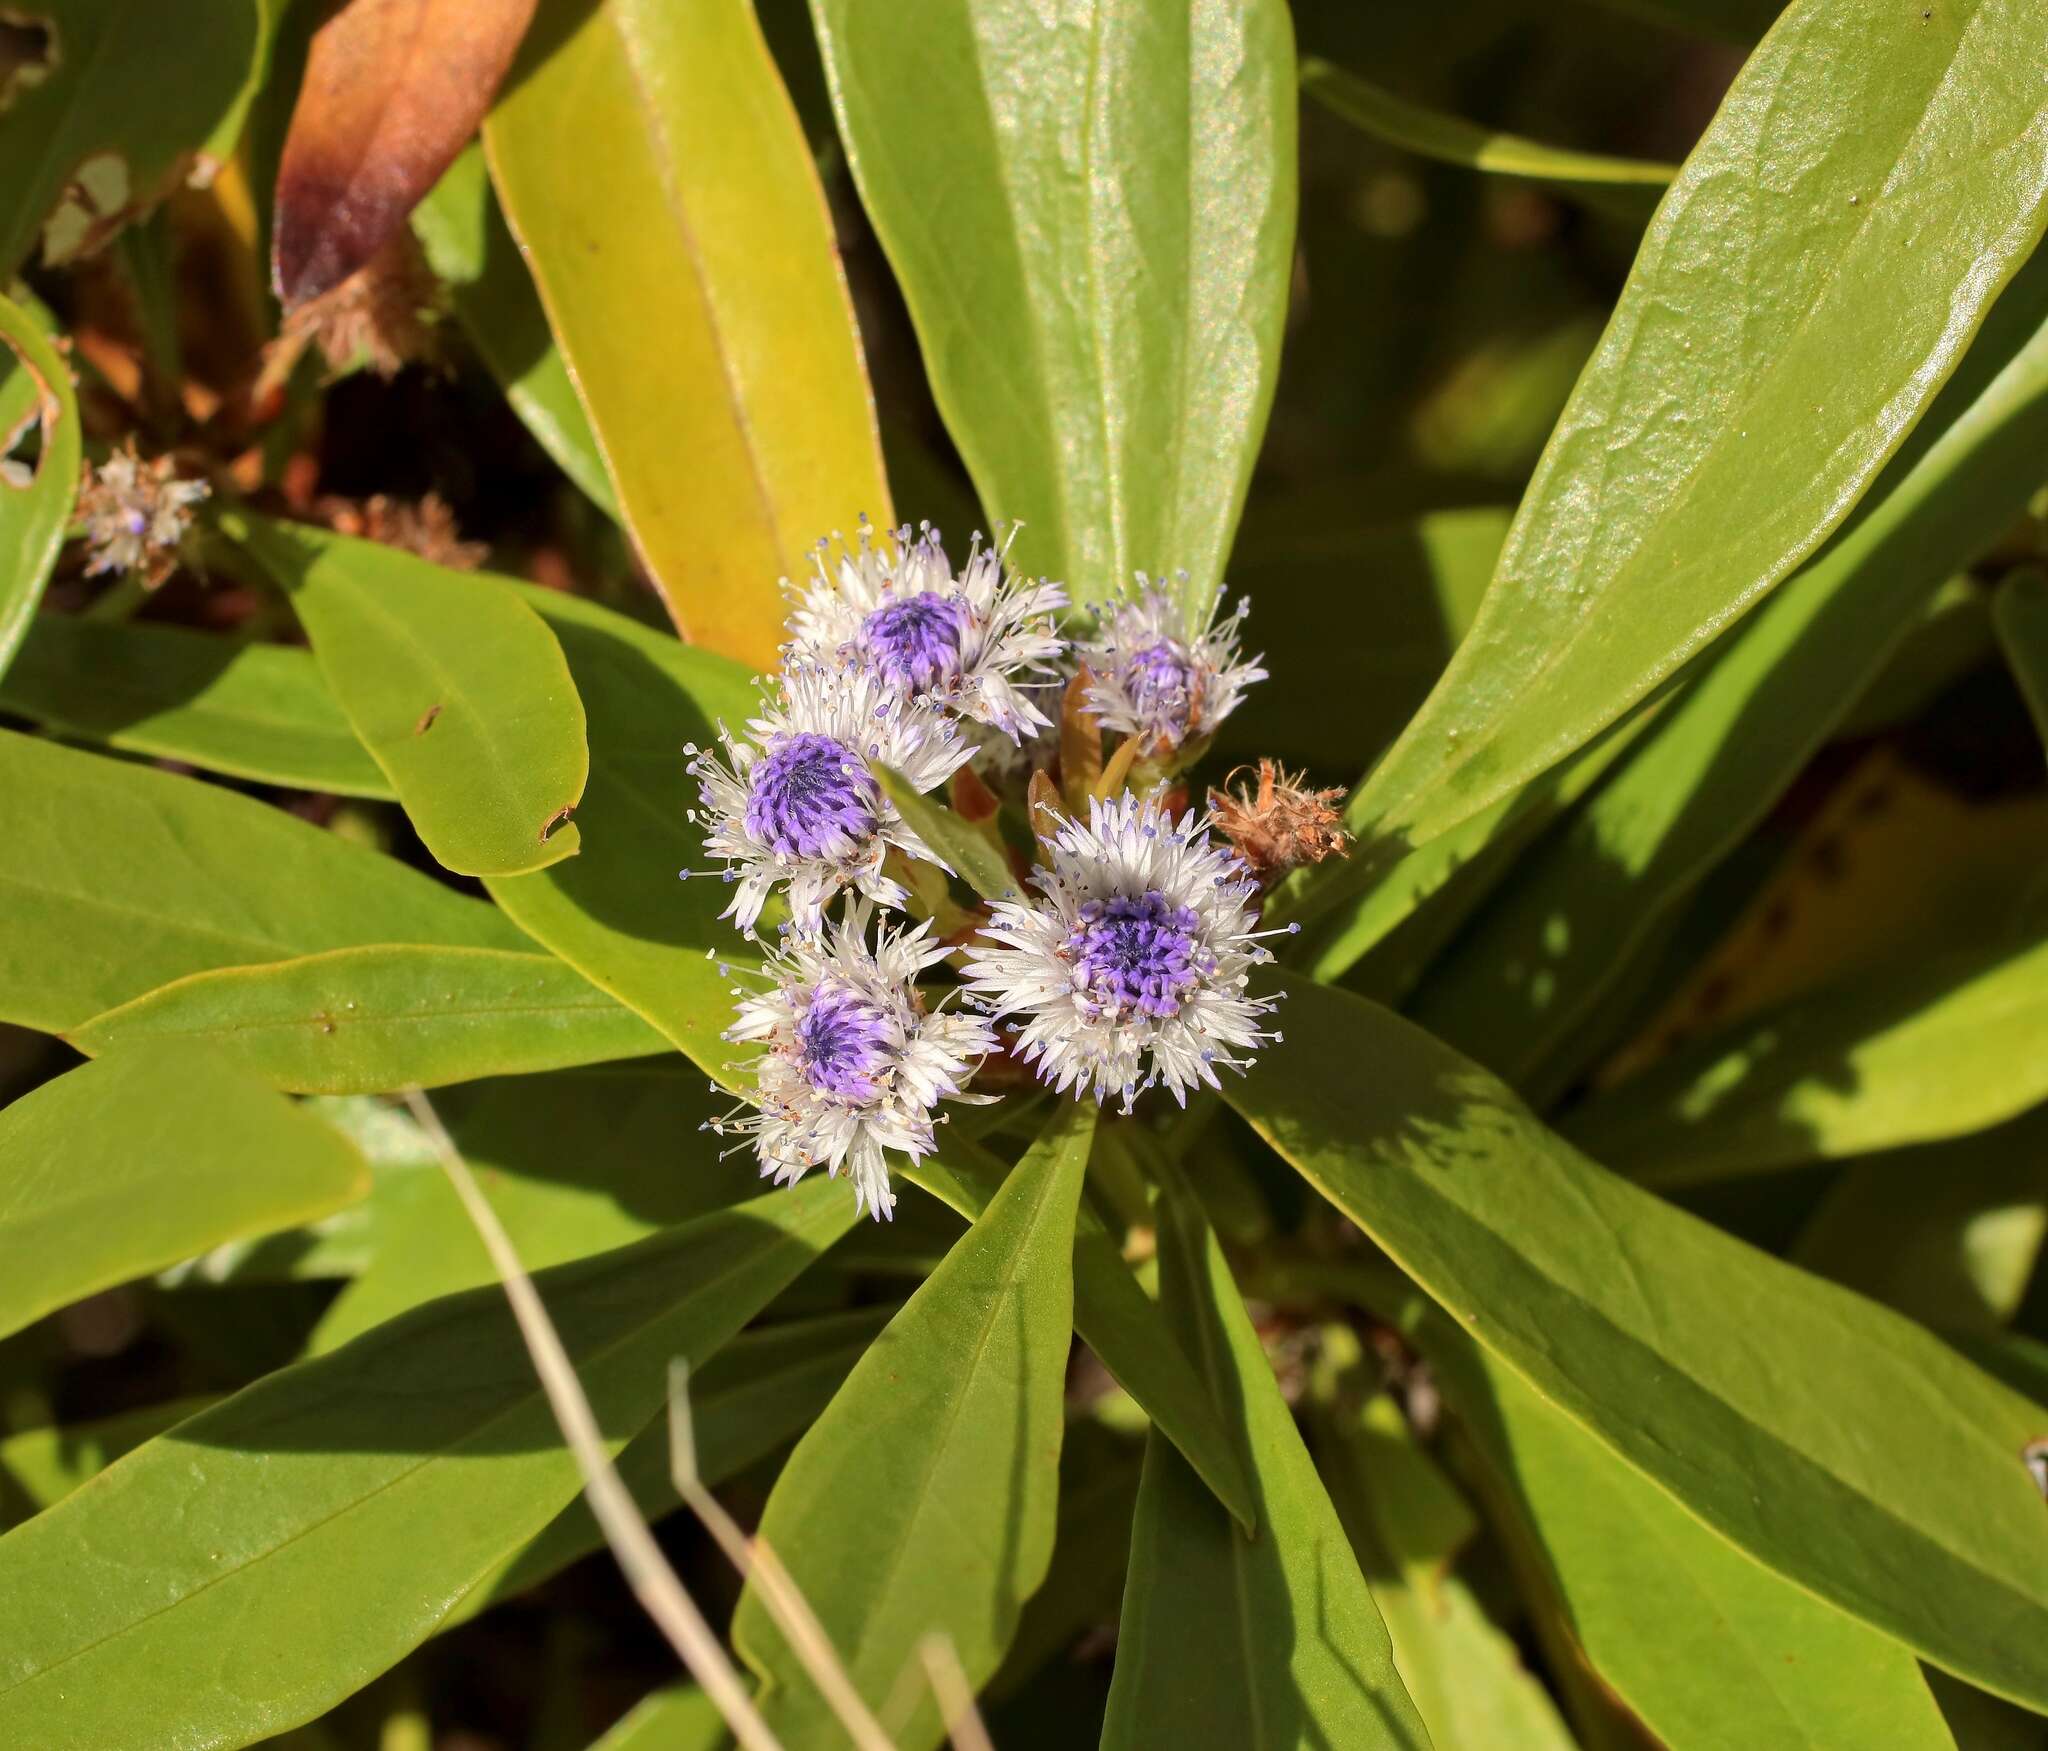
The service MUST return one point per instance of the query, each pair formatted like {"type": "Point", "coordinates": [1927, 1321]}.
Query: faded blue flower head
{"type": "Point", "coordinates": [1161, 671]}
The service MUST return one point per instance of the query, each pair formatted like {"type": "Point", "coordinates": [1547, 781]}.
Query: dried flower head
{"type": "Point", "coordinates": [980, 643]}
{"type": "Point", "coordinates": [135, 514]}
{"type": "Point", "coordinates": [855, 1062]}
{"type": "Point", "coordinates": [796, 798]}
{"type": "Point", "coordinates": [1130, 967]}
{"type": "Point", "coordinates": [1279, 825]}
{"type": "Point", "coordinates": [425, 527]}
{"type": "Point", "coordinates": [1163, 670]}
{"type": "Point", "coordinates": [381, 316]}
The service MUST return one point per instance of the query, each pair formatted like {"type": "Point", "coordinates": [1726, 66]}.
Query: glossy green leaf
{"type": "Point", "coordinates": [1950, 1232]}
{"type": "Point", "coordinates": [1872, 180]}
{"type": "Point", "coordinates": [764, 1388]}
{"type": "Point", "coordinates": [733, 409]}
{"type": "Point", "coordinates": [144, 877]}
{"type": "Point", "coordinates": [1118, 1321]}
{"type": "Point", "coordinates": [948, 1434]}
{"type": "Point", "coordinates": [255, 711]}
{"type": "Point", "coordinates": [365, 1020]}
{"type": "Point", "coordinates": [966, 850]}
{"type": "Point", "coordinates": [1271, 1641]}
{"type": "Point", "coordinates": [680, 1718]}
{"type": "Point", "coordinates": [457, 688]}
{"type": "Point", "coordinates": [1731, 1656]}
{"type": "Point", "coordinates": [1408, 1523]}
{"type": "Point", "coordinates": [101, 133]}
{"type": "Point", "coordinates": [120, 1168]}
{"type": "Point", "coordinates": [1935, 1051]}
{"type": "Point", "coordinates": [1091, 215]}
{"type": "Point", "coordinates": [39, 1467]}
{"type": "Point", "coordinates": [529, 1140]}
{"type": "Point", "coordinates": [1449, 139]}
{"type": "Point", "coordinates": [35, 388]}
{"type": "Point", "coordinates": [473, 254]}
{"type": "Point", "coordinates": [617, 913]}
{"type": "Point", "coordinates": [392, 1474]}
{"type": "Point", "coordinates": [1855, 1454]}
{"type": "Point", "coordinates": [1524, 982]}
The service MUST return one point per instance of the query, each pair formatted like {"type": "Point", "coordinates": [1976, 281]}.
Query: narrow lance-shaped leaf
{"type": "Point", "coordinates": [256, 711]}
{"type": "Point", "coordinates": [392, 90]}
{"type": "Point", "coordinates": [123, 1167]}
{"type": "Point", "coordinates": [35, 389]}
{"type": "Point", "coordinates": [1855, 1454]}
{"type": "Point", "coordinates": [1091, 215]}
{"type": "Point", "coordinates": [948, 1433]}
{"type": "Point", "coordinates": [1249, 1643]}
{"type": "Point", "coordinates": [145, 877]}
{"type": "Point", "coordinates": [692, 284]}
{"type": "Point", "coordinates": [2020, 612]}
{"type": "Point", "coordinates": [364, 1020]}
{"type": "Point", "coordinates": [1874, 177]}
{"type": "Point", "coordinates": [456, 687]}
{"type": "Point", "coordinates": [395, 1474]}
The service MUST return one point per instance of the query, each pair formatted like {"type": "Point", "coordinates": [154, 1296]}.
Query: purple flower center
{"type": "Point", "coordinates": [812, 796]}
{"type": "Point", "coordinates": [843, 1043]}
{"type": "Point", "coordinates": [134, 522]}
{"type": "Point", "coordinates": [1134, 956]}
{"type": "Point", "coordinates": [915, 640]}
{"type": "Point", "coordinates": [1161, 681]}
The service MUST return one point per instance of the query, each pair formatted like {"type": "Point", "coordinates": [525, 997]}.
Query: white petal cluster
{"type": "Point", "coordinates": [990, 641]}
{"type": "Point", "coordinates": [1163, 667]}
{"type": "Point", "coordinates": [135, 513]}
{"type": "Point", "coordinates": [854, 824]}
{"type": "Point", "coordinates": [1047, 957]}
{"type": "Point", "coordinates": [853, 1062]}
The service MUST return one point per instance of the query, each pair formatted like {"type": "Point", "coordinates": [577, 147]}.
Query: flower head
{"type": "Point", "coordinates": [1154, 674]}
{"type": "Point", "coordinates": [1130, 968]}
{"type": "Point", "coordinates": [854, 1062]}
{"type": "Point", "coordinates": [978, 643]}
{"type": "Point", "coordinates": [135, 513]}
{"type": "Point", "coordinates": [797, 800]}
{"type": "Point", "coordinates": [1282, 824]}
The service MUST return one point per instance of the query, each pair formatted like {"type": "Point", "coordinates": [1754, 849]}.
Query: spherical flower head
{"type": "Point", "coordinates": [1162, 670]}
{"type": "Point", "coordinates": [135, 514]}
{"type": "Point", "coordinates": [796, 798]}
{"type": "Point", "coordinates": [854, 1062]}
{"type": "Point", "coordinates": [1130, 966]}
{"type": "Point", "coordinates": [980, 643]}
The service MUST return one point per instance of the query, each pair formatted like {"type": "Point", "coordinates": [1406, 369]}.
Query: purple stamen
{"type": "Point", "coordinates": [915, 640]}
{"type": "Point", "coordinates": [1161, 681]}
{"type": "Point", "coordinates": [1134, 956]}
{"type": "Point", "coordinates": [812, 796]}
{"type": "Point", "coordinates": [843, 1044]}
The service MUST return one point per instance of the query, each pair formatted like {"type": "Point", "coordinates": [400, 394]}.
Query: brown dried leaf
{"type": "Point", "coordinates": [393, 90]}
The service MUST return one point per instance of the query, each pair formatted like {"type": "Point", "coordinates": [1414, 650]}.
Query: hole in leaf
{"type": "Point", "coordinates": [28, 53]}
{"type": "Point", "coordinates": [27, 409]}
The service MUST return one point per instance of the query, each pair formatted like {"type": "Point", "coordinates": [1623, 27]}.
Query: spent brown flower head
{"type": "Point", "coordinates": [1277, 824]}
{"type": "Point", "coordinates": [382, 316]}
{"type": "Point", "coordinates": [425, 527]}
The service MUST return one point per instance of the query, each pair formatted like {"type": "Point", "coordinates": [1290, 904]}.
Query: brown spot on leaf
{"type": "Point", "coordinates": [555, 820]}
{"type": "Point", "coordinates": [426, 720]}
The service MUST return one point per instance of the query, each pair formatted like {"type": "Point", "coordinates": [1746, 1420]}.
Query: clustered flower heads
{"type": "Point", "coordinates": [1129, 964]}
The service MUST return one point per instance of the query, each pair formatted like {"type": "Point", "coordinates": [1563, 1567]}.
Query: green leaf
{"type": "Point", "coordinates": [617, 913]}
{"type": "Point", "coordinates": [965, 849]}
{"type": "Point", "coordinates": [1523, 983]}
{"type": "Point", "coordinates": [948, 1434]}
{"type": "Point", "coordinates": [1815, 272]}
{"type": "Point", "coordinates": [1731, 1657]}
{"type": "Point", "coordinates": [680, 1718]}
{"type": "Point", "coordinates": [695, 293]}
{"type": "Point", "coordinates": [143, 877]}
{"type": "Point", "coordinates": [473, 254]}
{"type": "Point", "coordinates": [393, 1474]}
{"type": "Point", "coordinates": [255, 711]}
{"type": "Point", "coordinates": [1950, 1232]}
{"type": "Point", "coordinates": [1091, 216]}
{"type": "Point", "coordinates": [35, 388]}
{"type": "Point", "coordinates": [1117, 1321]}
{"type": "Point", "coordinates": [2020, 613]}
{"type": "Point", "coordinates": [456, 687]}
{"type": "Point", "coordinates": [120, 1168]}
{"type": "Point", "coordinates": [1859, 1457]}
{"type": "Point", "coordinates": [39, 1467]}
{"type": "Point", "coordinates": [364, 1020]}
{"type": "Point", "coordinates": [1935, 1051]}
{"type": "Point", "coordinates": [1449, 139]}
{"type": "Point", "coordinates": [98, 131]}
{"type": "Point", "coordinates": [1271, 1641]}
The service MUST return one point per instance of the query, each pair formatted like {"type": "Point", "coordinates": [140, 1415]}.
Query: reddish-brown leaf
{"type": "Point", "coordinates": [393, 90]}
